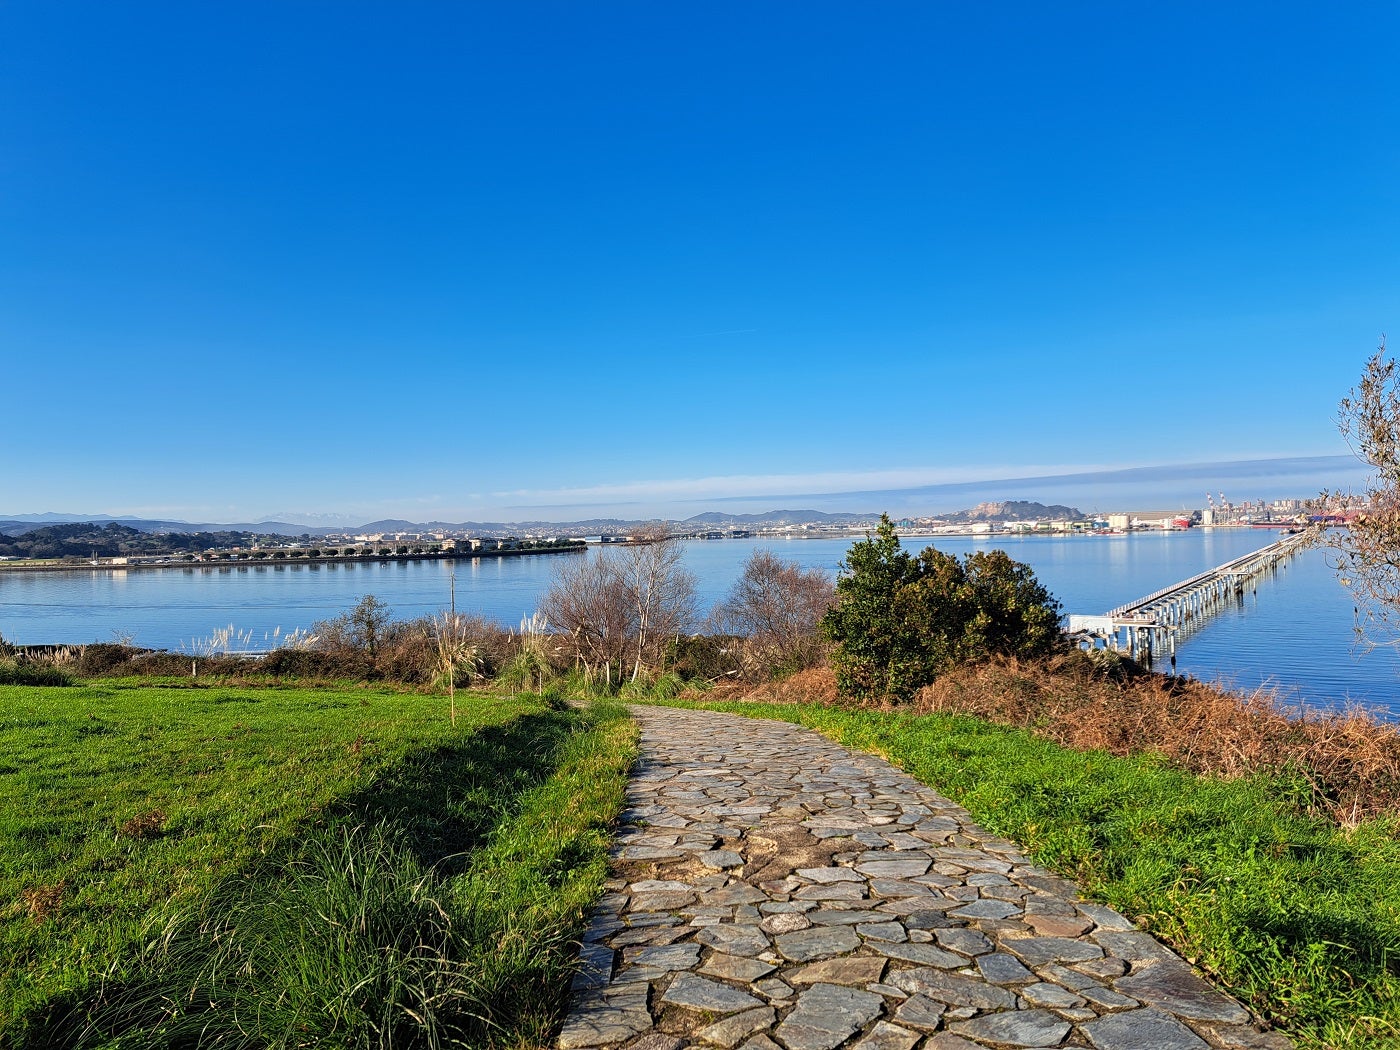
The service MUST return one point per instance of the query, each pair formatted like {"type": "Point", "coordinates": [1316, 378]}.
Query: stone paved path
{"type": "Point", "coordinates": [774, 890]}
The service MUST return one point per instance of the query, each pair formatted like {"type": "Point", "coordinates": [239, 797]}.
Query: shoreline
{"type": "Point", "coordinates": [958, 531]}
{"type": "Point", "coordinates": [228, 565]}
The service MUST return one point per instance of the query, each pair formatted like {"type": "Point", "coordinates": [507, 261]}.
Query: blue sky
{"type": "Point", "coordinates": [501, 260]}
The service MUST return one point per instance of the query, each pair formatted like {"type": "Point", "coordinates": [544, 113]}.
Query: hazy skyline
{"type": "Point", "coordinates": [462, 261]}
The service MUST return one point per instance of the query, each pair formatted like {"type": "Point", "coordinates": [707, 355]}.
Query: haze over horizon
{"type": "Point", "coordinates": [1178, 486]}
{"type": "Point", "coordinates": [499, 262]}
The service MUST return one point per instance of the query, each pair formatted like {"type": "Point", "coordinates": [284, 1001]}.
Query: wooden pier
{"type": "Point", "coordinates": [1151, 626]}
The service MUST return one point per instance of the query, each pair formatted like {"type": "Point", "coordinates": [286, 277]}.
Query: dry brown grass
{"type": "Point", "coordinates": [816, 685]}
{"type": "Point", "coordinates": [144, 825]}
{"type": "Point", "coordinates": [44, 902]}
{"type": "Point", "coordinates": [1351, 759]}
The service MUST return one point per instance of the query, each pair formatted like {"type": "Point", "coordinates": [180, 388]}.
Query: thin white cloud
{"type": "Point", "coordinates": [731, 485]}
{"type": "Point", "coordinates": [821, 487]}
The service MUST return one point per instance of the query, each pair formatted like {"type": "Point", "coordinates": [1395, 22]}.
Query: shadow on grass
{"type": "Point", "coordinates": [1335, 950]}
{"type": "Point", "coordinates": [367, 887]}
{"type": "Point", "coordinates": [442, 803]}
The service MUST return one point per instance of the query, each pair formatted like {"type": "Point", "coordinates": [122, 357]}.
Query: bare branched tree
{"type": "Point", "coordinates": [1366, 553]}
{"type": "Point", "coordinates": [660, 591]}
{"type": "Point", "coordinates": [586, 602]}
{"type": "Point", "coordinates": [621, 604]}
{"type": "Point", "coordinates": [776, 606]}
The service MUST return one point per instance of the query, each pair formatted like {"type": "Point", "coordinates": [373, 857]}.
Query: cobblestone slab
{"type": "Point", "coordinates": [774, 891]}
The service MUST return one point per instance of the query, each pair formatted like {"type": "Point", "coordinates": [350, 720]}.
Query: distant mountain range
{"type": "Point", "coordinates": [1012, 510]}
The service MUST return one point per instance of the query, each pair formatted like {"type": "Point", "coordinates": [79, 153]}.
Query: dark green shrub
{"type": "Point", "coordinates": [900, 621]}
{"type": "Point", "coordinates": [312, 663]}
{"type": "Point", "coordinates": [712, 657]}
{"type": "Point", "coordinates": [103, 658]}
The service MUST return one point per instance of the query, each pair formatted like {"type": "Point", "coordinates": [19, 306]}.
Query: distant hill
{"type": "Point", "coordinates": [815, 517]}
{"type": "Point", "coordinates": [1015, 510]}
{"type": "Point", "coordinates": [113, 540]}
{"type": "Point", "coordinates": [23, 524]}
{"type": "Point", "coordinates": [20, 524]}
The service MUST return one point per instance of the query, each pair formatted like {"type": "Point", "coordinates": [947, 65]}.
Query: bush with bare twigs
{"type": "Point", "coordinates": [359, 635]}
{"type": "Point", "coordinates": [774, 610]}
{"type": "Point", "coordinates": [1366, 554]}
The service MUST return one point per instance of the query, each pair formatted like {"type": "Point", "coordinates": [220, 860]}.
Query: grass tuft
{"type": "Point", "coordinates": [23, 672]}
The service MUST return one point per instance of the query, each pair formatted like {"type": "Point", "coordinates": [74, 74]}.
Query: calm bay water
{"type": "Point", "coordinates": [1294, 632]}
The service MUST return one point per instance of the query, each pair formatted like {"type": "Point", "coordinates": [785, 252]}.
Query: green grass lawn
{"type": "Point", "coordinates": [271, 864]}
{"type": "Point", "coordinates": [266, 866]}
{"type": "Point", "coordinates": [1295, 916]}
